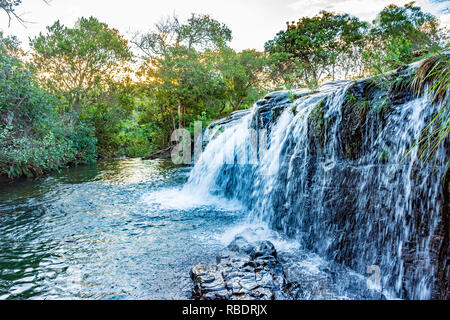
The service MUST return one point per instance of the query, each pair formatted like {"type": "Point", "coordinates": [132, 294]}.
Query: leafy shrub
{"type": "Point", "coordinates": [34, 138]}
{"type": "Point", "coordinates": [433, 78]}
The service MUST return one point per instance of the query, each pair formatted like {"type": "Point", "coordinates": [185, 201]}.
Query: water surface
{"type": "Point", "coordinates": [115, 230]}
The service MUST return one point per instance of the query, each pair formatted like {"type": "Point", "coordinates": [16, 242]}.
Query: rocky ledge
{"type": "Point", "coordinates": [244, 271]}
{"type": "Point", "coordinates": [254, 270]}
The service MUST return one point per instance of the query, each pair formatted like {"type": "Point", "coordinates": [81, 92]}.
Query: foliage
{"type": "Point", "coordinates": [244, 76]}
{"type": "Point", "coordinates": [86, 67]}
{"type": "Point", "coordinates": [34, 138]}
{"type": "Point", "coordinates": [317, 117]}
{"type": "Point", "coordinates": [399, 36]}
{"type": "Point", "coordinates": [10, 6]}
{"type": "Point", "coordinates": [315, 48]}
{"type": "Point", "coordinates": [190, 73]}
{"type": "Point", "coordinates": [433, 78]}
{"type": "Point", "coordinates": [77, 63]}
{"type": "Point", "coordinates": [333, 46]}
{"type": "Point", "coordinates": [200, 32]}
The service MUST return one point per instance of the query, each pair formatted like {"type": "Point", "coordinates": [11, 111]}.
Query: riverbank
{"type": "Point", "coordinates": [4, 179]}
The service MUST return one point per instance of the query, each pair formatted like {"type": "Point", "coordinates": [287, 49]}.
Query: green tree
{"type": "Point", "coordinates": [183, 84]}
{"type": "Point", "coordinates": [181, 79]}
{"type": "Point", "coordinates": [111, 115]}
{"type": "Point", "coordinates": [400, 35]}
{"type": "Point", "coordinates": [245, 76]}
{"type": "Point", "coordinates": [34, 138]}
{"type": "Point", "coordinates": [74, 62]}
{"type": "Point", "coordinates": [200, 32]}
{"type": "Point", "coordinates": [310, 49]}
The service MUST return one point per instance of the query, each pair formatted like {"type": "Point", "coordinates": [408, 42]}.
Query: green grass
{"type": "Point", "coordinates": [433, 78]}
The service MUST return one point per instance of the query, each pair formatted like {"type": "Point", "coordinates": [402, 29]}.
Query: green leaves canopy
{"type": "Point", "coordinates": [72, 62]}
{"type": "Point", "coordinates": [310, 48]}
{"type": "Point", "coordinates": [191, 74]}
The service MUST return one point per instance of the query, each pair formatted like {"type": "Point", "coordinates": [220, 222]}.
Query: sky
{"type": "Point", "coordinates": [252, 22]}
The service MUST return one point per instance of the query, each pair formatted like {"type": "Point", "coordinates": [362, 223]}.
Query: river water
{"type": "Point", "coordinates": [132, 229]}
{"type": "Point", "coordinates": [116, 230]}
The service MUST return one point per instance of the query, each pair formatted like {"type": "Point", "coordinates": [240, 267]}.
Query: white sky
{"type": "Point", "coordinates": [253, 22]}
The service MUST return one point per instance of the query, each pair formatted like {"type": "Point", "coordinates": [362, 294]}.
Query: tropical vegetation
{"type": "Point", "coordinates": [85, 92]}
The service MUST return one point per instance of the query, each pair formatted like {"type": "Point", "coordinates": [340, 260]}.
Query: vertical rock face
{"type": "Point", "coordinates": [338, 170]}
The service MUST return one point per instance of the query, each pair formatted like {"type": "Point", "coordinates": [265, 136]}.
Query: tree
{"type": "Point", "coordinates": [200, 32]}
{"type": "Point", "coordinates": [244, 74]}
{"type": "Point", "coordinates": [183, 85]}
{"type": "Point", "coordinates": [181, 79]}
{"type": "Point", "coordinates": [203, 32]}
{"type": "Point", "coordinates": [9, 7]}
{"type": "Point", "coordinates": [74, 63]}
{"type": "Point", "coordinates": [34, 138]}
{"type": "Point", "coordinates": [113, 117]}
{"type": "Point", "coordinates": [400, 35]}
{"type": "Point", "coordinates": [310, 49]}
{"type": "Point", "coordinates": [409, 22]}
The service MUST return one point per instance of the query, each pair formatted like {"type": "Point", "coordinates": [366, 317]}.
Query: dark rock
{"type": "Point", "coordinates": [263, 249]}
{"type": "Point", "coordinates": [240, 245]}
{"type": "Point", "coordinates": [277, 95]}
{"type": "Point", "coordinates": [245, 271]}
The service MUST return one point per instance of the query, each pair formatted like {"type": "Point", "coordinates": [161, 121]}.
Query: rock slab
{"type": "Point", "coordinates": [244, 271]}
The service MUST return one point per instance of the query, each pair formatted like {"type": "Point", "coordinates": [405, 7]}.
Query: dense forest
{"type": "Point", "coordinates": [85, 92]}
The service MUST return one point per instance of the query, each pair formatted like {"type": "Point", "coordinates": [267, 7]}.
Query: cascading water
{"type": "Point", "coordinates": [336, 171]}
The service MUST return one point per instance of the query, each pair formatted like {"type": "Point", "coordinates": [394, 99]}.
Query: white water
{"type": "Point", "coordinates": [393, 207]}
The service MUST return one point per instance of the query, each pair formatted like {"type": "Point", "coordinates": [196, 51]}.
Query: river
{"type": "Point", "coordinates": [107, 231]}
{"type": "Point", "coordinates": [131, 229]}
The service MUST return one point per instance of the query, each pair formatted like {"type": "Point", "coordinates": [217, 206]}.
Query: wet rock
{"type": "Point", "coordinates": [244, 271]}
{"type": "Point", "coordinates": [240, 245]}
{"type": "Point", "coordinates": [263, 249]}
{"type": "Point", "coordinates": [277, 95]}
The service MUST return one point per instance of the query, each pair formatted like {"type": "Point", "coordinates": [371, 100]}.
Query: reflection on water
{"type": "Point", "coordinates": [100, 232]}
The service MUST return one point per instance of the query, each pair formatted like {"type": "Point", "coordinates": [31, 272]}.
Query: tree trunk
{"type": "Point", "coordinates": [223, 108]}
{"type": "Point", "coordinates": [180, 115]}
{"type": "Point", "coordinates": [236, 107]}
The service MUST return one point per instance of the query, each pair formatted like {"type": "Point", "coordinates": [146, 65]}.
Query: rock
{"type": "Point", "coordinates": [264, 248]}
{"type": "Point", "coordinates": [245, 271]}
{"type": "Point", "coordinates": [261, 102]}
{"type": "Point", "coordinates": [277, 95]}
{"type": "Point", "coordinates": [240, 245]}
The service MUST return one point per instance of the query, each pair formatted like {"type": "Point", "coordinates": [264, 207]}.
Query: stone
{"type": "Point", "coordinates": [244, 271]}
{"type": "Point", "coordinates": [240, 245]}
{"type": "Point", "coordinates": [263, 249]}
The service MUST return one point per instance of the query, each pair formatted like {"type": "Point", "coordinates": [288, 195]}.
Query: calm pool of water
{"type": "Point", "coordinates": [115, 230]}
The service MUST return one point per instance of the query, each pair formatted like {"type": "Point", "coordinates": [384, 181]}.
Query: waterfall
{"type": "Point", "coordinates": [341, 177]}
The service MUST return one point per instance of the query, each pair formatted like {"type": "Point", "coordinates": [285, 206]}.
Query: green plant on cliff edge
{"type": "Point", "coordinates": [354, 116]}
{"type": "Point", "coordinates": [433, 78]}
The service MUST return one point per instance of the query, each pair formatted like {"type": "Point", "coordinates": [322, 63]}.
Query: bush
{"type": "Point", "coordinates": [34, 138]}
